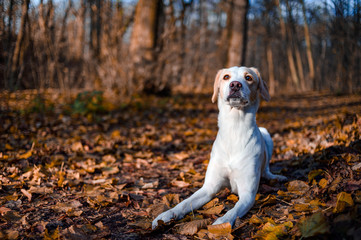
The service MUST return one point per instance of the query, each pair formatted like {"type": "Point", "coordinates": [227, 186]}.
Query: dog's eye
{"type": "Point", "coordinates": [226, 77]}
{"type": "Point", "coordinates": [248, 78]}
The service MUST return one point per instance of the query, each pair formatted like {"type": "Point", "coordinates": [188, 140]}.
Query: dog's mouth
{"type": "Point", "coordinates": [236, 100]}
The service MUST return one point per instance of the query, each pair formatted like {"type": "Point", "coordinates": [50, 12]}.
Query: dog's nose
{"type": "Point", "coordinates": [235, 85]}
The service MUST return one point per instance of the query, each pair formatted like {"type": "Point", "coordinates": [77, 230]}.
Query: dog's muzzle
{"type": "Point", "coordinates": [235, 98]}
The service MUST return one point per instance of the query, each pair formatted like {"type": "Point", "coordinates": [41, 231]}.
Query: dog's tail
{"type": "Point", "coordinates": [269, 143]}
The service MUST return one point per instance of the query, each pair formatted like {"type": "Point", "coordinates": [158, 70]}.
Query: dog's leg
{"type": "Point", "coordinates": [270, 176]}
{"type": "Point", "coordinates": [212, 184]}
{"type": "Point", "coordinates": [245, 183]}
{"type": "Point", "coordinates": [244, 204]}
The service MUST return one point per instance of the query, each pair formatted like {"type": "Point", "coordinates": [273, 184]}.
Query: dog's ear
{"type": "Point", "coordinates": [262, 86]}
{"type": "Point", "coordinates": [216, 86]}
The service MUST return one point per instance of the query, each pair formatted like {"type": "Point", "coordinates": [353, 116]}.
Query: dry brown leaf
{"type": "Point", "coordinates": [220, 231]}
{"type": "Point", "coordinates": [213, 210]}
{"type": "Point", "coordinates": [323, 183]}
{"type": "Point", "coordinates": [232, 198]}
{"type": "Point", "coordinates": [297, 186]}
{"type": "Point", "coordinates": [26, 155]}
{"type": "Point", "coordinates": [157, 209]}
{"type": "Point", "coordinates": [41, 190]}
{"type": "Point", "coordinates": [11, 216]}
{"type": "Point", "coordinates": [344, 200]}
{"type": "Point", "coordinates": [271, 231]}
{"type": "Point", "coordinates": [223, 228]}
{"type": "Point", "coordinates": [256, 220]}
{"type": "Point", "coordinates": [26, 194]}
{"type": "Point", "coordinates": [180, 184]}
{"type": "Point", "coordinates": [191, 228]}
{"type": "Point", "coordinates": [12, 234]}
{"type": "Point", "coordinates": [4, 210]}
{"type": "Point", "coordinates": [314, 225]}
{"type": "Point", "coordinates": [77, 147]}
{"type": "Point", "coordinates": [211, 203]}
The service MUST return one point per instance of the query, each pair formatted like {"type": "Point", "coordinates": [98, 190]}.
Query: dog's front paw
{"type": "Point", "coordinates": [222, 220]}
{"type": "Point", "coordinates": [165, 217]}
{"type": "Point", "coordinates": [280, 178]}
{"type": "Point", "coordinates": [270, 176]}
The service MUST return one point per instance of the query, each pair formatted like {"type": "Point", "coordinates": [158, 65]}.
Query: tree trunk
{"type": "Point", "coordinates": [182, 50]}
{"type": "Point", "coordinates": [18, 45]}
{"type": "Point", "coordinates": [143, 42]}
{"type": "Point", "coordinates": [271, 77]}
{"type": "Point", "coordinates": [79, 50]}
{"type": "Point", "coordinates": [10, 20]}
{"type": "Point", "coordinates": [290, 59]}
{"type": "Point", "coordinates": [238, 37]}
{"type": "Point", "coordinates": [292, 33]}
{"type": "Point", "coordinates": [95, 27]}
{"type": "Point", "coordinates": [143, 38]}
{"type": "Point", "coordinates": [308, 46]}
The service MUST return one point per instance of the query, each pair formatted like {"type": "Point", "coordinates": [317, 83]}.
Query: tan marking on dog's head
{"type": "Point", "coordinates": [262, 86]}
{"type": "Point", "coordinates": [216, 86]}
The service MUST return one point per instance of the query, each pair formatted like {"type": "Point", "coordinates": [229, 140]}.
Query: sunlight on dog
{"type": "Point", "coordinates": [241, 152]}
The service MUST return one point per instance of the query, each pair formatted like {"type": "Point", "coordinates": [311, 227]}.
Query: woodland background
{"type": "Point", "coordinates": [106, 117]}
{"type": "Point", "coordinates": [158, 46]}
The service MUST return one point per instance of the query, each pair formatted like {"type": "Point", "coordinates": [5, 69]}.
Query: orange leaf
{"type": "Point", "coordinates": [223, 228]}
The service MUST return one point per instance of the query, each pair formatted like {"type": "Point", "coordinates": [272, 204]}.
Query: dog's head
{"type": "Point", "coordinates": [239, 86]}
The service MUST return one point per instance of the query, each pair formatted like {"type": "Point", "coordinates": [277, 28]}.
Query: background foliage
{"type": "Point", "coordinates": [165, 45]}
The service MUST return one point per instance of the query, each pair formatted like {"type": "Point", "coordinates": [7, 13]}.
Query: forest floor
{"type": "Point", "coordinates": [85, 168]}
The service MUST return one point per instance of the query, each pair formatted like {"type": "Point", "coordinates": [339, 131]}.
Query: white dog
{"type": "Point", "coordinates": [241, 151]}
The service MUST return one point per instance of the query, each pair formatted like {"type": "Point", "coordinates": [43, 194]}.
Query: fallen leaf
{"type": "Point", "coordinates": [256, 220]}
{"type": "Point", "coordinates": [314, 173]}
{"type": "Point", "coordinates": [191, 228]}
{"type": "Point", "coordinates": [344, 200]}
{"type": "Point", "coordinates": [26, 155]}
{"type": "Point", "coordinates": [211, 203]}
{"type": "Point", "coordinates": [297, 186]}
{"type": "Point", "coordinates": [213, 210]}
{"type": "Point", "coordinates": [180, 184]}
{"type": "Point", "coordinates": [52, 236]}
{"type": "Point", "coordinates": [4, 210]}
{"type": "Point", "coordinates": [323, 183]}
{"type": "Point", "coordinates": [157, 209]}
{"type": "Point", "coordinates": [40, 190]}
{"type": "Point", "coordinates": [11, 216]}
{"type": "Point", "coordinates": [26, 194]}
{"type": "Point", "coordinates": [313, 225]}
{"type": "Point", "coordinates": [271, 231]}
{"type": "Point", "coordinates": [220, 231]}
{"type": "Point", "coordinates": [223, 228]}
{"type": "Point", "coordinates": [12, 234]}
{"type": "Point", "coordinates": [232, 198]}
{"type": "Point", "coordinates": [77, 147]}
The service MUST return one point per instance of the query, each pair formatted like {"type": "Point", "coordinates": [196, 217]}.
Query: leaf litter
{"type": "Point", "coordinates": [83, 169]}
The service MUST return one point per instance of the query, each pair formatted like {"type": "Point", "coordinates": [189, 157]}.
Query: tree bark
{"type": "Point", "coordinates": [292, 34]}
{"type": "Point", "coordinates": [238, 37]}
{"type": "Point", "coordinates": [290, 59]}
{"type": "Point", "coordinates": [79, 51]}
{"type": "Point", "coordinates": [308, 46]}
{"type": "Point", "coordinates": [143, 38]}
{"type": "Point", "coordinates": [18, 45]}
{"type": "Point", "coordinates": [143, 42]}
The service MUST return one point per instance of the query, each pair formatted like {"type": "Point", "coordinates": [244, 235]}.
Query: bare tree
{"type": "Point", "coordinates": [19, 46]}
{"type": "Point", "coordinates": [285, 37]}
{"type": "Point", "coordinates": [238, 34]}
{"type": "Point", "coordinates": [143, 41]}
{"type": "Point", "coordinates": [308, 45]}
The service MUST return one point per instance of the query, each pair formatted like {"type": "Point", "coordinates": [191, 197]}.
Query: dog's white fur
{"type": "Point", "coordinates": [241, 151]}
